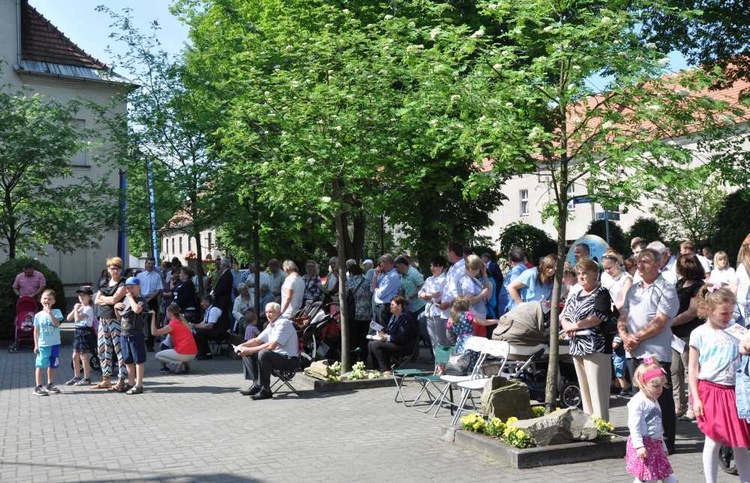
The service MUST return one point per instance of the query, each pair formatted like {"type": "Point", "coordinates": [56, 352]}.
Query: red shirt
{"type": "Point", "coordinates": [182, 339]}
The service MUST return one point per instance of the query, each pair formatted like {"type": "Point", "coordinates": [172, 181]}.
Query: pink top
{"type": "Point", "coordinates": [28, 286]}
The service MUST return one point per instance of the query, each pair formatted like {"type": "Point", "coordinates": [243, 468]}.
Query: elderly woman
{"type": "Point", "coordinates": [242, 303]}
{"type": "Point", "coordinates": [534, 284]}
{"type": "Point", "coordinates": [397, 340]}
{"type": "Point", "coordinates": [692, 278]}
{"type": "Point", "coordinates": [582, 320]}
{"type": "Point", "coordinates": [360, 311]}
{"type": "Point", "coordinates": [292, 290]}
{"type": "Point", "coordinates": [313, 285]}
{"type": "Point", "coordinates": [109, 328]}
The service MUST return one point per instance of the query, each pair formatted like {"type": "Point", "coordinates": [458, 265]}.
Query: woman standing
{"type": "Point", "coordinates": [475, 290]}
{"type": "Point", "coordinates": [582, 319]}
{"type": "Point", "coordinates": [431, 292]}
{"type": "Point", "coordinates": [185, 296]}
{"type": "Point", "coordinates": [741, 284]}
{"type": "Point", "coordinates": [109, 328]}
{"type": "Point", "coordinates": [313, 285]}
{"type": "Point", "coordinates": [722, 275]}
{"type": "Point", "coordinates": [692, 278]}
{"type": "Point", "coordinates": [358, 292]}
{"type": "Point", "coordinates": [292, 290]}
{"type": "Point", "coordinates": [615, 279]}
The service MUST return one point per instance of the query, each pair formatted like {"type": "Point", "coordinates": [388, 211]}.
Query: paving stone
{"type": "Point", "coordinates": [197, 428]}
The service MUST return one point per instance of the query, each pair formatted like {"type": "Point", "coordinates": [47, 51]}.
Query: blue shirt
{"type": "Point", "coordinates": [533, 290]}
{"type": "Point", "coordinates": [505, 302]}
{"type": "Point", "coordinates": [49, 333]}
{"type": "Point", "coordinates": [388, 285]}
{"type": "Point", "coordinates": [411, 283]}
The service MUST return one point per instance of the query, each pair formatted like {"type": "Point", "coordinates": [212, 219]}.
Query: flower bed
{"type": "Point", "coordinates": [327, 378]}
{"type": "Point", "coordinates": [502, 441]}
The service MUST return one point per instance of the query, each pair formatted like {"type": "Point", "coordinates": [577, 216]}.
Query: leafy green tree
{"type": "Point", "coordinates": [542, 107]}
{"type": "Point", "coordinates": [45, 202]}
{"type": "Point", "coordinates": [536, 242]}
{"type": "Point", "coordinates": [647, 228]}
{"type": "Point", "coordinates": [616, 235]}
{"type": "Point", "coordinates": [169, 126]}
{"type": "Point", "coordinates": [731, 224]}
{"type": "Point", "coordinates": [688, 204]}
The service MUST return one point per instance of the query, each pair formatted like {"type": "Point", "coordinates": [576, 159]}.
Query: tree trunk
{"type": "Point", "coordinates": [341, 233]}
{"type": "Point", "coordinates": [550, 399]}
{"type": "Point", "coordinates": [358, 240]}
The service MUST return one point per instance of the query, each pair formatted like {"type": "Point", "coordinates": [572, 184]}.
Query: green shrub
{"type": "Point", "coordinates": [536, 242]}
{"type": "Point", "coordinates": [646, 228]}
{"type": "Point", "coordinates": [616, 236]}
{"type": "Point", "coordinates": [8, 272]}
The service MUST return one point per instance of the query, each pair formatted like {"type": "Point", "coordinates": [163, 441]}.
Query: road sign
{"type": "Point", "coordinates": [577, 200]}
{"type": "Point", "coordinates": [612, 215]}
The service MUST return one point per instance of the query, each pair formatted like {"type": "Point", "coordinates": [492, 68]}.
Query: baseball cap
{"type": "Point", "coordinates": [132, 281]}
{"type": "Point", "coordinates": [85, 289]}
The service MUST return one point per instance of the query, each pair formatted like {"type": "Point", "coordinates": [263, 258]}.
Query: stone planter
{"type": "Point", "coordinates": [538, 456]}
{"type": "Point", "coordinates": [320, 385]}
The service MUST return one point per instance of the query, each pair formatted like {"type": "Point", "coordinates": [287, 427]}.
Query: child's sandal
{"type": "Point", "coordinates": [102, 385]}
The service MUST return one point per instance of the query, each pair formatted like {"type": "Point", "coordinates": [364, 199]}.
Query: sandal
{"type": "Point", "coordinates": [102, 385]}
{"type": "Point", "coordinates": [135, 390]}
{"type": "Point", "coordinates": [121, 386]}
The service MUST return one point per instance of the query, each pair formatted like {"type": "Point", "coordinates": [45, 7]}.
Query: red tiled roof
{"type": "Point", "coordinates": [41, 41]}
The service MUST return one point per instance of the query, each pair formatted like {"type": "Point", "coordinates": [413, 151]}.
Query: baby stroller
{"type": "Point", "coordinates": [310, 322]}
{"type": "Point", "coordinates": [24, 323]}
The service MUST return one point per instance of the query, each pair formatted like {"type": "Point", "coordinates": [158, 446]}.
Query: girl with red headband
{"type": "Point", "coordinates": [715, 349]}
{"type": "Point", "coordinates": [646, 455]}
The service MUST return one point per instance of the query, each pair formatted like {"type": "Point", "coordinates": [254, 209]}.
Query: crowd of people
{"type": "Point", "coordinates": [648, 322]}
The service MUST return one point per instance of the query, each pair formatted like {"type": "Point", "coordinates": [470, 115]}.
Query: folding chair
{"type": "Point", "coordinates": [442, 355]}
{"type": "Point", "coordinates": [492, 348]}
{"type": "Point", "coordinates": [283, 378]}
{"type": "Point", "coordinates": [400, 375]}
{"type": "Point", "coordinates": [475, 344]}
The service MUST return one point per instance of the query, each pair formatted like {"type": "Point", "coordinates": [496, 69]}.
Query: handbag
{"type": "Point", "coordinates": [458, 364]}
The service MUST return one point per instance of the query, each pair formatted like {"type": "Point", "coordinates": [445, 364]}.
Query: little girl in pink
{"type": "Point", "coordinates": [646, 455]}
{"type": "Point", "coordinates": [715, 349]}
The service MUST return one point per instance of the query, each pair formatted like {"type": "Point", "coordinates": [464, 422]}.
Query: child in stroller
{"type": "Point", "coordinates": [24, 323]}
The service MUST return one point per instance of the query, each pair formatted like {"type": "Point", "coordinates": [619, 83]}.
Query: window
{"type": "Point", "coordinates": [181, 244]}
{"type": "Point", "coordinates": [190, 244]}
{"type": "Point", "coordinates": [81, 158]}
{"type": "Point", "coordinates": [208, 238]}
{"type": "Point", "coordinates": [524, 197]}
{"type": "Point", "coordinates": [173, 245]}
{"type": "Point", "coordinates": [571, 194]}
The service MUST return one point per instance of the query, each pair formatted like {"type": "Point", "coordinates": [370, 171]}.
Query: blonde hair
{"type": "Point", "coordinates": [707, 300]}
{"type": "Point", "coordinates": [114, 261]}
{"type": "Point", "coordinates": [720, 255]}
{"type": "Point", "coordinates": [550, 261]}
{"type": "Point", "coordinates": [460, 305]}
{"type": "Point", "coordinates": [587, 265]}
{"type": "Point", "coordinates": [51, 292]}
{"type": "Point", "coordinates": [743, 257]}
{"type": "Point", "coordinates": [473, 262]}
{"type": "Point", "coordinates": [641, 369]}
{"type": "Point", "coordinates": [174, 309]}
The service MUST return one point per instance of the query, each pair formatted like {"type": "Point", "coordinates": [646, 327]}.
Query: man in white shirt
{"type": "Point", "coordinates": [277, 347]}
{"type": "Point", "coordinates": [645, 328]}
{"type": "Point", "coordinates": [455, 254]}
{"type": "Point", "coordinates": [208, 328]}
{"type": "Point", "coordinates": [277, 280]}
{"type": "Point", "coordinates": [151, 286]}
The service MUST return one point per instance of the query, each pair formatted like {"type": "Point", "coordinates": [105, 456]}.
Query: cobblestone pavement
{"type": "Point", "coordinates": [197, 427]}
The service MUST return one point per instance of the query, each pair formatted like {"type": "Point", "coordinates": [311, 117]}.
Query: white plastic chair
{"type": "Point", "coordinates": [475, 344]}
{"type": "Point", "coordinates": [498, 349]}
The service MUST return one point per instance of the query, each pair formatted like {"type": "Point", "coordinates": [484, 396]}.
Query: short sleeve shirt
{"type": "Point", "coordinates": [642, 303]}
{"type": "Point", "coordinates": [719, 354]}
{"type": "Point", "coordinates": [282, 331]}
{"type": "Point", "coordinates": [49, 333]}
{"type": "Point", "coordinates": [134, 323]}
{"type": "Point", "coordinates": [534, 291]}
{"type": "Point", "coordinates": [297, 286]}
{"type": "Point", "coordinates": [86, 313]}
{"type": "Point", "coordinates": [27, 286]}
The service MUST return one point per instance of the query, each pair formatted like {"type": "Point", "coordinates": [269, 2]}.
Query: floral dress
{"type": "Point", "coordinates": [464, 330]}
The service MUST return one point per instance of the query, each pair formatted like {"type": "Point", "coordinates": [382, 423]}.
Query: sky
{"type": "Point", "coordinates": [90, 30]}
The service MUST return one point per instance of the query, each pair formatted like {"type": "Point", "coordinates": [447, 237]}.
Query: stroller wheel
{"type": "Point", "coordinates": [570, 395]}
{"type": "Point", "coordinates": [95, 363]}
{"type": "Point", "coordinates": [12, 348]}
